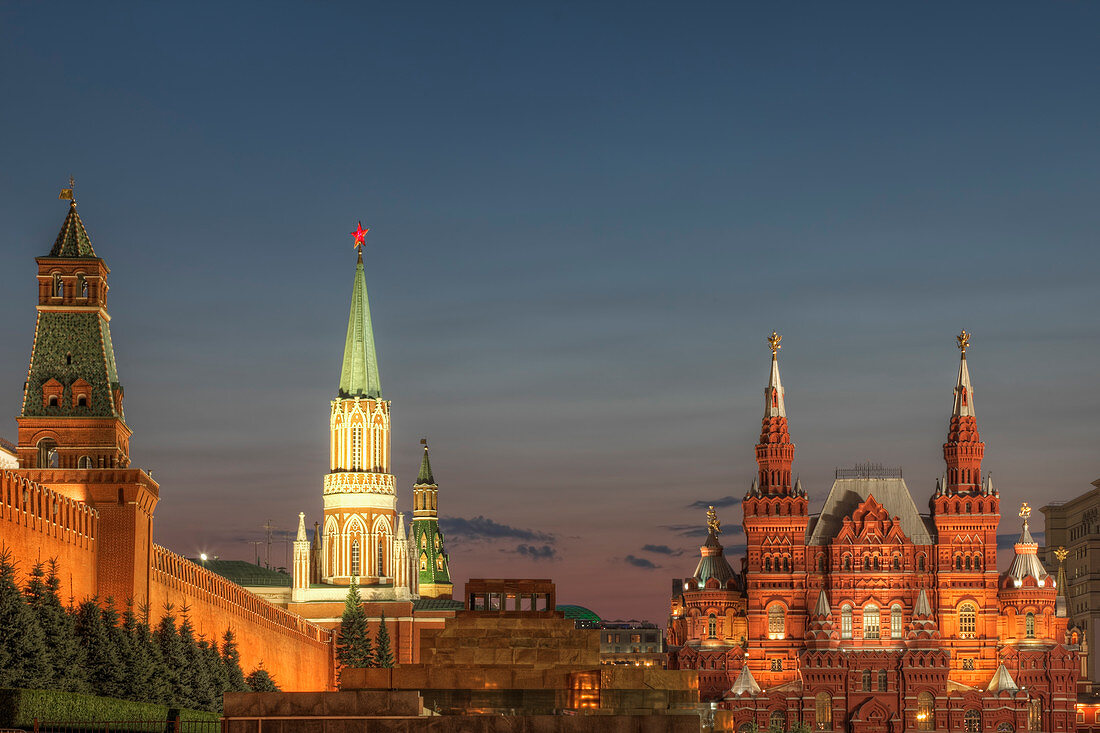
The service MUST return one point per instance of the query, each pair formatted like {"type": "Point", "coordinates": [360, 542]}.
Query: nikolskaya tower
{"type": "Point", "coordinates": [362, 535]}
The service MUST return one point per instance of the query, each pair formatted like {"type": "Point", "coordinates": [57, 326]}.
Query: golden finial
{"type": "Point", "coordinates": [1025, 510]}
{"type": "Point", "coordinates": [1061, 553]}
{"type": "Point", "coordinates": [774, 341]}
{"type": "Point", "coordinates": [713, 525]}
{"type": "Point", "coordinates": [964, 341]}
{"type": "Point", "coordinates": [67, 193]}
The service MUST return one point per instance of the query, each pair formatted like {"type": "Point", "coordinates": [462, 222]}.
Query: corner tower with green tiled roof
{"type": "Point", "coordinates": [430, 555]}
{"type": "Point", "coordinates": [72, 415]}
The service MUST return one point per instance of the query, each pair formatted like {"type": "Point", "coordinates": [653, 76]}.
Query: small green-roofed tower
{"type": "Point", "coordinates": [431, 555]}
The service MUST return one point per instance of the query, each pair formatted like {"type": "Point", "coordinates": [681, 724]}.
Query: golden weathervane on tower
{"type": "Point", "coordinates": [774, 341]}
{"type": "Point", "coordinates": [964, 341]}
{"type": "Point", "coordinates": [67, 193]}
{"type": "Point", "coordinates": [713, 525]}
{"type": "Point", "coordinates": [1025, 510]}
{"type": "Point", "coordinates": [1061, 553]}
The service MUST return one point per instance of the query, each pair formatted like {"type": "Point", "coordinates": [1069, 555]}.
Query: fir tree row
{"type": "Point", "coordinates": [94, 649]}
{"type": "Point", "coordinates": [353, 644]}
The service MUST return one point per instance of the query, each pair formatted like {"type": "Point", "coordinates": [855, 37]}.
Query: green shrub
{"type": "Point", "coordinates": [19, 708]}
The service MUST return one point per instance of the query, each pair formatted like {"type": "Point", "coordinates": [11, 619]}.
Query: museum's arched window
{"type": "Point", "coordinates": [972, 721]}
{"type": "Point", "coordinates": [870, 621]}
{"type": "Point", "coordinates": [977, 562]}
{"type": "Point", "coordinates": [866, 680]}
{"type": "Point", "coordinates": [897, 563]}
{"type": "Point", "coordinates": [1029, 625]}
{"type": "Point", "coordinates": [354, 558]}
{"type": "Point", "coordinates": [84, 462]}
{"type": "Point", "coordinates": [821, 563]}
{"type": "Point", "coordinates": [883, 680]}
{"type": "Point", "coordinates": [846, 622]}
{"type": "Point", "coordinates": [920, 563]}
{"type": "Point", "coordinates": [777, 720]}
{"type": "Point", "coordinates": [968, 620]}
{"type": "Point", "coordinates": [1035, 714]}
{"type": "Point", "coordinates": [712, 626]}
{"type": "Point", "coordinates": [47, 453]}
{"type": "Point", "coordinates": [866, 562]}
{"type": "Point", "coordinates": [958, 562]}
{"type": "Point", "coordinates": [926, 711]}
{"type": "Point", "coordinates": [847, 562]}
{"type": "Point", "coordinates": [786, 565]}
{"type": "Point", "coordinates": [823, 711]}
{"type": "Point", "coordinates": [968, 562]}
{"type": "Point", "coordinates": [776, 621]}
{"type": "Point", "coordinates": [895, 622]}
{"type": "Point", "coordinates": [747, 728]}
{"type": "Point", "coordinates": [1006, 728]}
{"type": "Point", "coordinates": [767, 564]}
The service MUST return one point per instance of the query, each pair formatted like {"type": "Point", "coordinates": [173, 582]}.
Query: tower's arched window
{"type": "Point", "coordinates": [972, 721]}
{"type": "Point", "coordinates": [58, 287]}
{"type": "Point", "coordinates": [968, 619]}
{"type": "Point", "coordinates": [920, 563]}
{"type": "Point", "coordinates": [926, 711]}
{"type": "Point", "coordinates": [883, 680]}
{"type": "Point", "coordinates": [83, 285]}
{"type": "Point", "coordinates": [47, 453]}
{"type": "Point", "coordinates": [1029, 625]}
{"type": "Point", "coordinates": [776, 621]}
{"type": "Point", "coordinates": [870, 621]}
{"type": "Point", "coordinates": [354, 558]}
{"type": "Point", "coordinates": [895, 622]}
{"type": "Point", "coordinates": [823, 711]}
{"type": "Point", "coordinates": [846, 622]}
{"type": "Point", "coordinates": [439, 563]}
{"type": "Point", "coordinates": [423, 562]}
{"type": "Point", "coordinates": [712, 626]}
{"type": "Point", "coordinates": [381, 557]}
{"type": "Point", "coordinates": [84, 462]}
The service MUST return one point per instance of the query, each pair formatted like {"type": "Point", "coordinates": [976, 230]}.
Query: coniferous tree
{"type": "Point", "coordinates": [174, 660]}
{"type": "Point", "coordinates": [231, 660]}
{"type": "Point", "coordinates": [23, 651]}
{"type": "Point", "coordinates": [383, 655]}
{"type": "Point", "coordinates": [353, 648]}
{"type": "Point", "coordinates": [59, 628]}
{"type": "Point", "coordinates": [202, 687]}
{"type": "Point", "coordinates": [102, 658]}
{"type": "Point", "coordinates": [160, 688]}
{"type": "Point", "coordinates": [219, 680]}
{"type": "Point", "coordinates": [138, 666]}
{"type": "Point", "coordinates": [260, 681]}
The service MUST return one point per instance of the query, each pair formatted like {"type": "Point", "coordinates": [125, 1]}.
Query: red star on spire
{"type": "Point", "coordinates": [360, 235]}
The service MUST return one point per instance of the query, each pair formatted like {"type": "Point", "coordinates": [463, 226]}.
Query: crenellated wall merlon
{"type": "Point", "coordinates": [44, 510]}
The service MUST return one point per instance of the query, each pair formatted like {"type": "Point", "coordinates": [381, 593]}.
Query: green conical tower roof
{"type": "Point", "coordinates": [72, 240]}
{"type": "Point", "coordinates": [359, 375]}
{"type": "Point", "coordinates": [425, 477]}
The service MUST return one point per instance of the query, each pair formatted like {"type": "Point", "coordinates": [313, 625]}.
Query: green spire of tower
{"type": "Point", "coordinates": [359, 375]}
{"type": "Point", "coordinates": [425, 477]}
{"type": "Point", "coordinates": [73, 239]}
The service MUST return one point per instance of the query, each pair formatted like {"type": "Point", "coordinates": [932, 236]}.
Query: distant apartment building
{"type": "Point", "coordinates": [640, 644]}
{"type": "Point", "coordinates": [1075, 526]}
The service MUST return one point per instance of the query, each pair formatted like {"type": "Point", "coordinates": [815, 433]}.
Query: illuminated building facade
{"type": "Point", "coordinates": [873, 616]}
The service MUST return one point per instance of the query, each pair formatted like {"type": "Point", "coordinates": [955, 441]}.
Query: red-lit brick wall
{"type": "Point", "coordinates": [297, 653]}
{"type": "Point", "coordinates": [37, 524]}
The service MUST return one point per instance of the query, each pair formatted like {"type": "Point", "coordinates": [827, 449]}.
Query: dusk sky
{"type": "Point", "coordinates": [585, 220]}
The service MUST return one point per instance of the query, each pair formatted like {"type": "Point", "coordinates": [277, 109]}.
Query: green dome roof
{"type": "Point", "coordinates": [579, 613]}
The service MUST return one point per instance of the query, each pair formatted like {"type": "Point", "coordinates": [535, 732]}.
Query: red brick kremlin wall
{"type": "Point", "coordinates": [297, 653]}
{"type": "Point", "coordinates": [37, 524]}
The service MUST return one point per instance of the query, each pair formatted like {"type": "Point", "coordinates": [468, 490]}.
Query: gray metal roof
{"type": "Point", "coordinates": [848, 493]}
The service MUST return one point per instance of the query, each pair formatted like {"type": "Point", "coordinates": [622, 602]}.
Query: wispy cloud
{"type": "Point", "coordinates": [546, 552]}
{"type": "Point", "coordinates": [483, 528]}
{"type": "Point", "coordinates": [662, 550]}
{"type": "Point", "coordinates": [641, 562]}
{"type": "Point", "coordinates": [700, 530]}
{"type": "Point", "coordinates": [725, 501]}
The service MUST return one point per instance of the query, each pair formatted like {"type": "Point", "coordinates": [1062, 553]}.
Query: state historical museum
{"type": "Point", "coordinates": [872, 616]}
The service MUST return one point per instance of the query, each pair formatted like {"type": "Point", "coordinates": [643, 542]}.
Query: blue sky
{"type": "Point", "coordinates": [584, 222]}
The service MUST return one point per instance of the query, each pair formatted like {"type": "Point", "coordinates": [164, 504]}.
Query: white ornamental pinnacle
{"type": "Point", "coordinates": [964, 392]}
{"type": "Point", "coordinates": [774, 396]}
{"type": "Point", "coordinates": [301, 528]}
